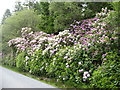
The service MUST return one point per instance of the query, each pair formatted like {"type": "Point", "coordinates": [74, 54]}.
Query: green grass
{"type": "Point", "coordinates": [49, 81]}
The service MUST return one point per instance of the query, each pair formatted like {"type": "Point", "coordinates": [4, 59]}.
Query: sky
{"type": "Point", "coordinates": [6, 4]}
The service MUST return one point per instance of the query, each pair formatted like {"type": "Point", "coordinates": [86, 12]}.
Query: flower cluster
{"type": "Point", "coordinates": [87, 32]}
{"type": "Point", "coordinates": [36, 40]}
{"type": "Point", "coordinates": [86, 75]}
{"type": "Point", "coordinates": [20, 43]}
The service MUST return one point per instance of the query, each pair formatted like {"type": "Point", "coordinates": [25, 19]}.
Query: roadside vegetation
{"type": "Point", "coordinates": [74, 44]}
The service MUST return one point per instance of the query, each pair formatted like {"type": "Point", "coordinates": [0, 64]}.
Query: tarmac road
{"type": "Point", "coordinates": [10, 79]}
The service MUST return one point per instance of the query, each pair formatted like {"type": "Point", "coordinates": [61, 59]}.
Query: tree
{"type": "Point", "coordinates": [30, 4]}
{"type": "Point", "coordinates": [64, 13]}
{"type": "Point", "coordinates": [13, 25]}
{"type": "Point", "coordinates": [57, 16]}
{"type": "Point", "coordinates": [97, 6]}
{"type": "Point", "coordinates": [46, 20]}
{"type": "Point", "coordinates": [44, 8]}
{"type": "Point", "coordinates": [6, 15]}
{"type": "Point", "coordinates": [37, 7]}
{"type": "Point", "coordinates": [116, 7]}
{"type": "Point", "coordinates": [18, 6]}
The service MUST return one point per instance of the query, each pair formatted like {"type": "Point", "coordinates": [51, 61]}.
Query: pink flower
{"type": "Point", "coordinates": [81, 70]}
{"type": "Point", "coordinates": [104, 55]}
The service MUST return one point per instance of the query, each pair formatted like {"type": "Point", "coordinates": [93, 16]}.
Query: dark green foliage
{"type": "Point", "coordinates": [116, 14]}
{"type": "Point", "coordinates": [44, 8]}
{"type": "Point", "coordinates": [107, 75]}
{"type": "Point", "coordinates": [116, 7]}
{"type": "Point", "coordinates": [60, 15]}
{"type": "Point", "coordinates": [112, 20]}
{"type": "Point", "coordinates": [64, 14]}
{"type": "Point", "coordinates": [46, 24]}
{"type": "Point", "coordinates": [46, 19]}
{"type": "Point", "coordinates": [97, 6]}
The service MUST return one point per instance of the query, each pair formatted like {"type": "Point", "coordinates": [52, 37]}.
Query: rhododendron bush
{"type": "Point", "coordinates": [72, 55]}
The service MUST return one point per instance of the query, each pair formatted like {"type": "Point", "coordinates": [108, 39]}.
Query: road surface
{"type": "Point", "coordinates": [10, 79]}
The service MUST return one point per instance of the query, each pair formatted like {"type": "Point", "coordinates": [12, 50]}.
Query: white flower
{"type": "Point", "coordinates": [30, 71]}
{"type": "Point", "coordinates": [54, 59]}
{"type": "Point", "coordinates": [32, 59]}
{"type": "Point", "coordinates": [79, 63]}
{"type": "Point", "coordinates": [102, 9]}
{"type": "Point", "coordinates": [26, 57]}
{"type": "Point", "coordinates": [74, 47]}
{"type": "Point", "coordinates": [63, 78]}
{"type": "Point", "coordinates": [64, 45]}
{"type": "Point", "coordinates": [83, 9]}
{"type": "Point", "coordinates": [85, 73]}
{"type": "Point", "coordinates": [84, 5]}
{"type": "Point", "coordinates": [89, 44]}
{"type": "Point", "coordinates": [88, 75]}
{"type": "Point", "coordinates": [31, 32]}
{"type": "Point", "coordinates": [83, 48]}
{"type": "Point", "coordinates": [67, 66]}
{"type": "Point", "coordinates": [22, 29]}
{"type": "Point", "coordinates": [26, 63]}
{"type": "Point", "coordinates": [65, 57]}
{"type": "Point", "coordinates": [85, 77]}
{"type": "Point", "coordinates": [41, 68]}
{"type": "Point", "coordinates": [90, 71]}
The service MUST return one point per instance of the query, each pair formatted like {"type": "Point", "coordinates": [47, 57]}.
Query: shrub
{"type": "Point", "coordinates": [72, 64]}
{"type": "Point", "coordinates": [71, 56]}
{"type": "Point", "coordinates": [20, 61]}
{"type": "Point", "coordinates": [38, 63]}
{"type": "Point", "coordinates": [107, 75]}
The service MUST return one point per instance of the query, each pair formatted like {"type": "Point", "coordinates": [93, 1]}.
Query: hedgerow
{"type": "Point", "coordinates": [81, 55]}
